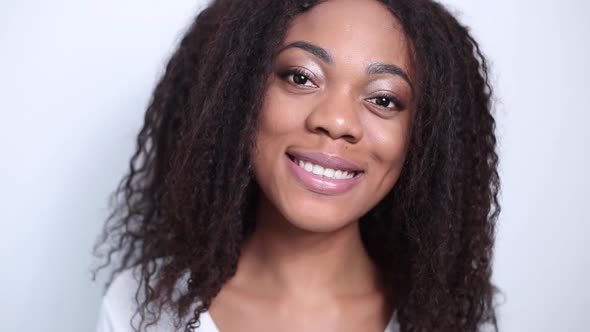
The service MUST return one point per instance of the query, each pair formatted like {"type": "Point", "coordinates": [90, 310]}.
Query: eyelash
{"type": "Point", "coordinates": [299, 71]}
{"type": "Point", "coordinates": [296, 71]}
{"type": "Point", "coordinates": [392, 99]}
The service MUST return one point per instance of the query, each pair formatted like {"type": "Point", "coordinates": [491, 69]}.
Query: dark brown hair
{"type": "Point", "coordinates": [187, 200]}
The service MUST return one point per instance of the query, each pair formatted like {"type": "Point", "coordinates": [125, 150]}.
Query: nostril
{"type": "Point", "coordinates": [335, 122]}
{"type": "Point", "coordinates": [322, 130]}
{"type": "Point", "coordinates": [348, 137]}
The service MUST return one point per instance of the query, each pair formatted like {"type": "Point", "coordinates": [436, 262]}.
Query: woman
{"type": "Point", "coordinates": [311, 166]}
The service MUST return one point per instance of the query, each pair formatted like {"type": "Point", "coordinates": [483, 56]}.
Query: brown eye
{"type": "Point", "coordinates": [382, 101]}
{"type": "Point", "coordinates": [388, 102]}
{"type": "Point", "coordinates": [300, 79]}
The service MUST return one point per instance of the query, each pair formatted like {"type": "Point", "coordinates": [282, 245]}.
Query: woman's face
{"type": "Point", "coordinates": [335, 124]}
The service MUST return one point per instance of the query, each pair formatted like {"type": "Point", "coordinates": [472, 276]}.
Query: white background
{"type": "Point", "coordinates": [75, 79]}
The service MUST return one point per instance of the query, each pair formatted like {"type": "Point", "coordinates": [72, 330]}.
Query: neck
{"type": "Point", "coordinates": [280, 258]}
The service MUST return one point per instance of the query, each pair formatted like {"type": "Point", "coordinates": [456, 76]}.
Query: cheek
{"type": "Point", "coordinates": [390, 142]}
{"type": "Point", "coordinates": [279, 121]}
{"type": "Point", "coordinates": [279, 116]}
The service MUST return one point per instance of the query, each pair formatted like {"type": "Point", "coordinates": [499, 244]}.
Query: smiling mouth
{"type": "Point", "coordinates": [331, 173]}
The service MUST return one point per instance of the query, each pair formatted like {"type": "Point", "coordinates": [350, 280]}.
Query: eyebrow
{"type": "Point", "coordinates": [382, 68]}
{"type": "Point", "coordinates": [311, 48]}
{"type": "Point", "coordinates": [374, 68]}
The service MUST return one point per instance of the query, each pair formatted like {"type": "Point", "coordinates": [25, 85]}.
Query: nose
{"type": "Point", "coordinates": [336, 116]}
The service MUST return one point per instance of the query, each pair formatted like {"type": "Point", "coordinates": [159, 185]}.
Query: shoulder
{"type": "Point", "coordinates": [393, 325]}
{"type": "Point", "coordinates": [118, 310]}
{"type": "Point", "coordinates": [119, 305]}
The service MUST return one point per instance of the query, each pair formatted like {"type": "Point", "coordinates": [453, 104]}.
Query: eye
{"type": "Point", "coordinates": [386, 101]}
{"type": "Point", "coordinates": [298, 76]}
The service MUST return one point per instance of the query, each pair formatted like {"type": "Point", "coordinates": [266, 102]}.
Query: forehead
{"type": "Point", "coordinates": [353, 31]}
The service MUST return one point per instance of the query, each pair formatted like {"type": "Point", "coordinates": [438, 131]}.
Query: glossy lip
{"type": "Point", "coordinates": [325, 160]}
{"type": "Point", "coordinates": [321, 184]}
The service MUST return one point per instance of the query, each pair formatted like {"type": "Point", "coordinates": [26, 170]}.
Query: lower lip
{"type": "Point", "coordinates": [321, 184]}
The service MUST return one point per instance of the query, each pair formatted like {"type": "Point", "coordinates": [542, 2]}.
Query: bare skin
{"type": "Point", "coordinates": [291, 280]}
{"type": "Point", "coordinates": [305, 268]}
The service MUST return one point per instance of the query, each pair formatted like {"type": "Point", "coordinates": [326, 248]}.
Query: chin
{"type": "Point", "coordinates": [318, 216]}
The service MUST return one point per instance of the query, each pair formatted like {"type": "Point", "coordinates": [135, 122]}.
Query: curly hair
{"type": "Point", "coordinates": [187, 200]}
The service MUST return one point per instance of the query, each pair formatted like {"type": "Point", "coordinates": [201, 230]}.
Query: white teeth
{"type": "Point", "coordinates": [327, 172]}
{"type": "Point", "coordinates": [318, 170]}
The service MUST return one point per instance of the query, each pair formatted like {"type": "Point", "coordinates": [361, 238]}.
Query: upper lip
{"type": "Point", "coordinates": [325, 160]}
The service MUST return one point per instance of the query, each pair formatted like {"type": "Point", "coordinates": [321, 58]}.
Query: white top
{"type": "Point", "coordinates": [118, 306]}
